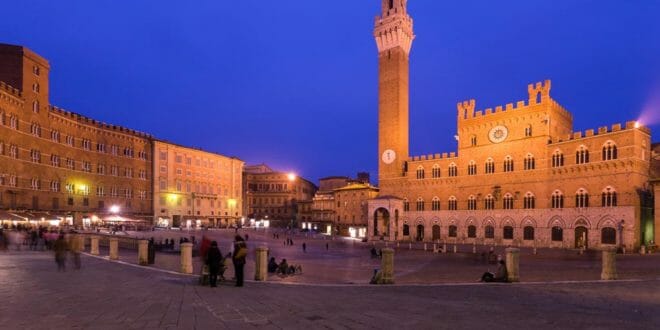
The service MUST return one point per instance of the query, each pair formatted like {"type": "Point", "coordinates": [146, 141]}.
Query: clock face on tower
{"type": "Point", "coordinates": [388, 156]}
{"type": "Point", "coordinates": [498, 134]}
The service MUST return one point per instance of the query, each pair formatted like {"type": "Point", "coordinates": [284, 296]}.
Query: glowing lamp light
{"type": "Point", "coordinates": [637, 124]}
{"type": "Point", "coordinates": [291, 176]}
{"type": "Point", "coordinates": [114, 209]}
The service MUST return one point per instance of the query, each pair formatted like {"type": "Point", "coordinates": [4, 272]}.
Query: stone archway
{"type": "Point", "coordinates": [381, 222]}
{"type": "Point", "coordinates": [436, 232]}
{"type": "Point", "coordinates": [420, 232]}
{"type": "Point", "coordinates": [581, 237]}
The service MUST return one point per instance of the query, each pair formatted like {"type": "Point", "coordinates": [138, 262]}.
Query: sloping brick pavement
{"type": "Point", "coordinates": [110, 295]}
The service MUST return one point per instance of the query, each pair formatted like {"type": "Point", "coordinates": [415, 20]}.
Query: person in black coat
{"type": "Point", "coordinates": [240, 252]}
{"type": "Point", "coordinates": [214, 261]}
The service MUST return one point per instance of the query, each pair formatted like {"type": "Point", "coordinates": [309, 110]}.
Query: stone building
{"type": "Point", "coordinates": [339, 207]}
{"type": "Point", "coordinates": [274, 196]}
{"type": "Point", "coordinates": [520, 176]}
{"type": "Point", "coordinates": [57, 165]}
{"type": "Point", "coordinates": [194, 188]}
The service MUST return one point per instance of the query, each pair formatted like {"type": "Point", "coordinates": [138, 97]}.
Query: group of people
{"type": "Point", "coordinates": [216, 261]}
{"type": "Point", "coordinates": [283, 268]}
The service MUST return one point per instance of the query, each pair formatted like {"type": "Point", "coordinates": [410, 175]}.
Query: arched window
{"type": "Point", "coordinates": [557, 200]}
{"type": "Point", "coordinates": [471, 231]}
{"type": "Point", "coordinates": [489, 232]}
{"type": "Point", "coordinates": [406, 230]}
{"type": "Point", "coordinates": [435, 204]}
{"type": "Point", "coordinates": [420, 204]}
{"type": "Point", "coordinates": [490, 166]}
{"type": "Point", "coordinates": [35, 106]}
{"type": "Point", "coordinates": [453, 170]}
{"type": "Point", "coordinates": [507, 232]}
{"type": "Point", "coordinates": [452, 203]}
{"type": "Point", "coordinates": [508, 164]}
{"type": "Point", "coordinates": [608, 235]}
{"type": "Point", "coordinates": [557, 234]}
{"type": "Point", "coordinates": [528, 131]}
{"type": "Point", "coordinates": [529, 201]}
{"type": "Point", "coordinates": [406, 205]}
{"type": "Point", "coordinates": [581, 198]}
{"type": "Point", "coordinates": [582, 155]}
{"type": "Point", "coordinates": [528, 233]}
{"type": "Point", "coordinates": [489, 202]}
{"type": "Point", "coordinates": [473, 140]}
{"type": "Point", "coordinates": [472, 168]}
{"type": "Point", "coordinates": [420, 172]}
{"type": "Point", "coordinates": [557, 158]}
{"type": "Point", "coordinates": [530, 164]}
{"type": "Point", "coordinates": [436, 171]}
{"type": "Point", "coordinates": [507, 202]}
{"type": "Point", "coordinates": [472, 203]}
{"type": "Point", "coordinates": [452, 231]}
{"type": "Point", "coordinates": [608, 197]}
{"type": "Point", "coordinates": [609, 151]}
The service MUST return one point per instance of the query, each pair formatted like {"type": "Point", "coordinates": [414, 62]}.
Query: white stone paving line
{"type": "Point", "coordinates": [389, 285]}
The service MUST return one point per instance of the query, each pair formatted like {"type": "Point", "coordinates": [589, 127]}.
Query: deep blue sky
{"type": "Point", "coordinates": [293, 83]}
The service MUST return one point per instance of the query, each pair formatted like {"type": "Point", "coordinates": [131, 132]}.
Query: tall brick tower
{"type": "Point", "coordinates": [393, 32]}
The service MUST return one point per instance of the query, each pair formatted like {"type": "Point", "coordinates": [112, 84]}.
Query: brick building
{"type": "Point", "coordinates": [57, 165]}
{"type": "Point", "coordinates": [275, 196]}
{"type": "Point", "coordinates": [520, 175]}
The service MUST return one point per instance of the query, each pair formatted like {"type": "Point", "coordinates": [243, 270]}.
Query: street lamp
{"type": "Point", "coordinates": [114, 209]}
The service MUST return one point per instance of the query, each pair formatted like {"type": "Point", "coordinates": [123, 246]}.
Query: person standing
{"type": "Point", "coordinates": [240, 252]}
{"type": "Point", "coordinates": [213, 260]}
{"type": "Point", "coordinates": [60, 247]}
{"type": "Point", "coordinates": [304, 247]}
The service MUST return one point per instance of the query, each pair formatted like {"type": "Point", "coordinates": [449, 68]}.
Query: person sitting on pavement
{"type": "Point", "coordinates": [272, 265]}
{"type": "Point", "coordinates": [283, 267]}
{"type": "Point", "coordinates": [500, 275]}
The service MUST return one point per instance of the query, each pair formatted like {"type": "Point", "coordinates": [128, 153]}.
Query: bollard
{"type": "Point", "coordinates": [387, 267]}
{"type": "Point", "coordinates": [424, 246]}
{"type": "Point", "coordinates": [143, 252]}
{"type": "Point", "coordinates": [444, 248]}
{"type": "Point", "coordinates": [455, 248]}
{"type": "Point", "coordinates": [397, 244]}
{"type": "Point", "coordinates": [435, 247]}
{"type": "Point", "coordinates": [474, 248]}
{"type": "Point", "coordinates": [94, 246]}
{"type": "Point", "coordinates": [114, 248]}
{"type": "Point", "coordinates": [186, 258]}
{"type": "Point", "coordinates": [261, 264]}
{"type": "Point", "coordinates": [642, 249]}
{"type": "Point", "coordinates": [609, 265]}
{"type": "Point", "coordinates": [512, 264]}
{"type": "Point", "coordinates": [409, 246]}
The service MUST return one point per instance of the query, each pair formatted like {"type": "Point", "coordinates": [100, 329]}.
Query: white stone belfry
{"type": "Point", "coordinates": [394, 28]}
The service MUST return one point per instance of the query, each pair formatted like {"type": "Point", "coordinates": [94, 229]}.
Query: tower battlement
{"type": "Point", "coordinates": [394, 28]}
{"type": "Point", "coordinates": [539, 93]}
{"type": "Point", "coordinates": [601, 130]}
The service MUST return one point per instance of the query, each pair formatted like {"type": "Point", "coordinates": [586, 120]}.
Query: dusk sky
{"type": "Point", "coordinates": [293, 83]}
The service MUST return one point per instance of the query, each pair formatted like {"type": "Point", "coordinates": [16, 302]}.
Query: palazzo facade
{"type": "Point", "coordinates": [57, 165]}
{"type": "Point", "coordinates": [520, 176]}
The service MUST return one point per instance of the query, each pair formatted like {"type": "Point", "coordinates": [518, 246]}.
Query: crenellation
{"type": "Point", "coordinates": [602, 130]}
{"type": "Point", "coordinates": [520, 104]}
{"type": "Point", "coordinates": [589, 132]}
{"type": "Point", "coordinates": [452, 154]}
{"type": "Point", "coordinates": [444, 155]}
{"type": "Point", "coordinates": [508, 107]}
{"type": "Point", "coordinates": [498, 109]}
{"type": "Point", "coordinates": [489, 111]}
{"type": "Point", "coordinates": [616, 127]}
{"type": "Point", "coordinates": [631, 124]}
{"type": "Point", "coordinates": [477, 114]}
{"type": "Point", "coordinates": [577, 135]}
{"type": "Point", "coordinates": [466, 109]}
